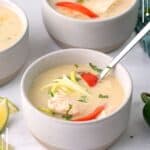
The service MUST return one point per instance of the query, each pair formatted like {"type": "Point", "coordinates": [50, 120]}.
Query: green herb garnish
{"type": "Point", "coordinates": [74, 76]}
{"type": "Point", "coordinates": [69, 109]}
{"type": "Point", "coordinates": [95, 68]}
{"type": "Point", "coordinates": [76, 66]}
{"type": "Point", "coordinates": [68, 77]}
{"type": "Point", "coordinates": [50, 93]}
{"type": "Point", "coordinates": [67, 116]}
{"type": "Point", "coordinates": [83, 99]}
{"type": "Point", "coordinates": [80, 1]}
{"type": "Point", "coordinates": [103, 96]}
{"type": "Point", "coordinates": [78, 78]}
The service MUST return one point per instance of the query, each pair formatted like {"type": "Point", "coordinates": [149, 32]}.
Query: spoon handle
{"type": "Point", "coordinates": [125, 50]}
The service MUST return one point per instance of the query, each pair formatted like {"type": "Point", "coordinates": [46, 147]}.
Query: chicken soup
{"type": "Point", "coordinates": [75, 93]}
{"type": "Point", "coordinates": [11, 27]}
{"type": "Point", "coordinates": [88, 9]}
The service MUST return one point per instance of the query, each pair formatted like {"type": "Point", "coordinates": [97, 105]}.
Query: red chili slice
{"type": "Point", "coordinates": [90, 78]}
{"type": "Point", "coordinates": [92, 115]}
{"type": "Point", "coordinates": [78, 7]}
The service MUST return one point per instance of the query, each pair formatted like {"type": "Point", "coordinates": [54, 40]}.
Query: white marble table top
{"type": "Point", "coordinates": [137, 62]}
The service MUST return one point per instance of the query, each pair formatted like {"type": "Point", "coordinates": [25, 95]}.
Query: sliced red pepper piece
{"type": "Point", "coordinates": [90, 78]}
{"type": "Point", "coordinates": [78, 7]}
{"type": "Point", "coordinates": [92, 115]}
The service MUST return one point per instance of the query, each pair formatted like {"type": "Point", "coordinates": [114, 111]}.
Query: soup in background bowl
{"type": "Point", "coordinates": [57, 132]}
{"type": "Point", "coordinates": [11, 27]}
{"type": "Point", "coordinates": [13, 40]}
{"type": "Point", "coordinates": [104, 34]}
{"type": "Point", "coordinates": [91, 9]}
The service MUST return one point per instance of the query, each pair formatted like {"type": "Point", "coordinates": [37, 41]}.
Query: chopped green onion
{"type": "Point", "coordinates": [69, 109]}
{"type": "Point", "coordinates": [50, 93]}
{"type": "Point", "coordinates": [67, 116]}
{"type": "Point", "coordinates": [80, 1]}
{"type": "Point", "coordinates": [78, 79]}
{"type": "Point", "coordinates": [76, 66]}
{"type": "Point", "coordinates": [103, 96]}
{"type": "Point", "coordinates": [68, 77]}
{"type": "Point", "coordinates": [95, 68]}
{"type": "Point", "coordinates": [73, 76]}
{"type": "Point", "coordinates": [83, 99]}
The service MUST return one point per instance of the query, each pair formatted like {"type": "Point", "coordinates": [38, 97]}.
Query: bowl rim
{"type": "Point", "coordinates": [34, 63]}
{"type": "Point", "coordinates": [13, 7]}
{"type": "Point", "coordinates": [135, 2]}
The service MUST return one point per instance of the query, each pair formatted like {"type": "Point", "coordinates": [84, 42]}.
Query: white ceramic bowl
{"type": "Point", "coordinates": [60, 134]}
{"type": "Point", "coordinates": [13, 58]}
{"type": "Point", "coordinates": [104, 35]}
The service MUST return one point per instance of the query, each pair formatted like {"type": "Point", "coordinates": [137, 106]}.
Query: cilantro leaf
{"type": "Point", "coordinates": [83, 99]}
{"type": "Point", "coordinates": [95, 68]}
{"type": "Point", "coordinates": [103, 96]}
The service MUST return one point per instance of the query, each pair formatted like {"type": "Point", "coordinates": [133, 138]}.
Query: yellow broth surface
{"type": "Point", "coordinates": [11, 27]}
{"type": "Point", "coordinates": [104, 9]}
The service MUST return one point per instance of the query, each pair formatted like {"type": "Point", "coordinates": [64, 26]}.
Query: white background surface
{"type": "Point", "coordinates": [137, 62]}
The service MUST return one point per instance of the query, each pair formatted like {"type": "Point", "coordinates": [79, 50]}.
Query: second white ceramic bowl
{"type": "Point", "coordinates": [104, 35]}
{"type": "Point", "coordinates": [60, 134]}
{"type": "Point", "coordinates": [14, 57]}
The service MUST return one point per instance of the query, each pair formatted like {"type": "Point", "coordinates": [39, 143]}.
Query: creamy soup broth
{"type": "Point", "coordinates": [102, 8]}
{"type": "Point", "coordinates": [11, 27]}
{"type": "Point", "coordinates": [109, 92]}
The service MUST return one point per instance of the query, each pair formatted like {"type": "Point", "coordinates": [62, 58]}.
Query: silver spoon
{"type": "Point", "coordinates": [125, 50]}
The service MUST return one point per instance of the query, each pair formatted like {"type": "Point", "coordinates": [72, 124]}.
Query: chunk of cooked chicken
{"type": "Point", "coordinates": [99, 6]}
{"type": "Point", "coordinates": [61, 103]}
